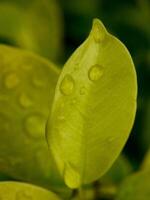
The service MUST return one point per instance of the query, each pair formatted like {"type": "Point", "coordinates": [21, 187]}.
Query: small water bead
{"type": "Point", "coordinates": [72, 177]}
{"type": "Point", "coordinates": [27, 67]}
{"type": "Point", "coordinates": [111, 139]}
{"type": "Point", "coordinates": [61, 117]}
{"type": "Point", "coordinates": [23, 195]}
{"type": "Point", "coordinates": [35, 126]}
{"type": "Point", "coordinates": [82, 90]}
{"type": "Point", "coordinates": [11, 81]}
{"type": "Point", "coordinates": [67, 85]}
{"type": "Point", "coordinates": [37, 82]}
{"type": "Point", "coordinates": [73, 101]}
{"type": "Point", "coordinates": [95, 72]}
{"type": "Point", "coordinates": [25, 101]}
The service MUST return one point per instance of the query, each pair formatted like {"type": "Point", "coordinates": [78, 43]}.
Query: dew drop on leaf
{"type": "Point", "coordinates": [74, 101]}
{"type": "Point", "coordinates": [95, 72]}
{"type": "Point", "coordinates": [61, 118]}
{"type": "Point", "coordinates": [25, 101]}
{"type": "Point", "coordinates": [38, 83]}
{"type": "Point", "coordinates": [23, 195]}
{"type": "Point", "coordinates": [67, 85]}
{"type": "Point", "coordinates": [11, 81]}
{"type": "Point", "coordinates": [35, 126]}
{"type": "Point", "coordinates": [82, 90]}
{"type": "Point", "coordinates": [71, 176]}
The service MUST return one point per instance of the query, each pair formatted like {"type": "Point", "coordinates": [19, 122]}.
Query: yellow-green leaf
{"type": "Point", "coordinates": [27, 85]}
{"type": "Point", "coordinates": [93, 109]}
{"type": "Point", "coordinates": [135, 187]}
{"type": "Point", "coordinates": [10, 190]}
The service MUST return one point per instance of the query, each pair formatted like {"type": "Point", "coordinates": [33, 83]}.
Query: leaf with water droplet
{"type": "Point", "coordinates": [10, 190]}
{"type": "Point", "coordinates": [135, 187]}
{"type": "Point", "coordinates": [97, 127]}
{"type": "Point", "coordinates": [23, 115]}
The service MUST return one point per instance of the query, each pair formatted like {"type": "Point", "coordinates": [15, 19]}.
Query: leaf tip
{"type": "Point", "coordinates": [98, 30]}
{"type": "Point", "coordinates": [72, 177]}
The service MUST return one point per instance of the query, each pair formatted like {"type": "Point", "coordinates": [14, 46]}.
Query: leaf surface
{"type": "Point", "coordinates": [22, 191]}
{"type": "Point", "coordinates": [27, 85]}
{"type": "Point", "coordinates": [93, 109]}
{"type": "Point", "coordinates": [135, 187]}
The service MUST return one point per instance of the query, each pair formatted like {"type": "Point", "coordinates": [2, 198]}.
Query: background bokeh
{"type": "Point", "coordinates": [55, 28]}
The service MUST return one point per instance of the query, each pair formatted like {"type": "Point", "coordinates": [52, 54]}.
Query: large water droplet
{"type": "Point", "coordinates": [95, 72]}
{"type": "Point", "coordinates": [23, 195]}
{"type": "Point", "coordinates": [11, 80]}
{"type": "Point", "coordinates": [67, 85]}
{"type": "Point", "coordinates": [98, 31]}
{"type": "Point", "coordinates": [25, 101]}
{"type": "Point", "coordinates": [71, 176]}
{"type": "Point", "coordinates": [35, 126]}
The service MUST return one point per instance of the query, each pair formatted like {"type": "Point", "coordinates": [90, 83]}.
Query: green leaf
{"type": "Point", "coordinates": [30, 25]}
{"type": "Point", "coordinates": [10, 20]}
{"type": "Point", "coordinates": [93, 109]}
{"type": "Point", "coordinates": [135, 187]}
{"type": "Point", "coordinates": [42, 28]}
{"type": "Point", "coordinates": [22, 191]}
{"type": "Point", "coordinates": [27, 85]}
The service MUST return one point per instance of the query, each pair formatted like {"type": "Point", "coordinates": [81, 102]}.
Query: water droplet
{"type": "Point", "coordinates": [26, 67]}
{"type": "Point", "coordinates": [37, 82]}
{"type": "Point", "coordinates": [82, 90]}
{"type": "Point", "coordinates": [74, 101]}
{"type": "Point", "coordinates": [11, 81]}
{"type": "Point", "coordinates": [110, 139]}
{"type": "Point", "coordinates": [25, 101]}
{"type": "Point", "coordinates": [23, 195]}
{"type": "Point", "coordinates": [67, 85]}
{"type": "Point", "coordinates": [76, 66]}
{"type": "Point", "coordinates": [61, 118]}
{"type": "Point", "coordinates": [95, 72]}
{"type": "Point", "coordinates": [35, 126]}
{"type": "Point", "coordinates": [98, 31]}
{"type": "Point", "coordinates": [71, 176]}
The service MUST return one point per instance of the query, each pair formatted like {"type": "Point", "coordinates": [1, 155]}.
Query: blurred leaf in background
{"type": "Point", "coordinates": [135, 187]}
{"type": "Point", "coordinates": [34, 25]}
{"type": "Point", "coordinates": [27, 84]}
{"type": "Point", "coordinates": [10, 190]}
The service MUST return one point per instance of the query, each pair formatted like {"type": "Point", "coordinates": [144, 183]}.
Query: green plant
{"type": "Point", "coordinates": [91, 112]}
